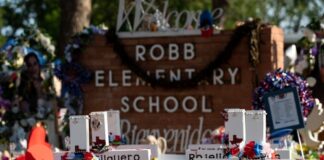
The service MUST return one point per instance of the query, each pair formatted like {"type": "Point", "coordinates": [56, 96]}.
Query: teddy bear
{"type": "Point", "coordinates": [160, 142]}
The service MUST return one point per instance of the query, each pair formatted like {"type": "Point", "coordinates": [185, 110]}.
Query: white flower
{"type": "Point", "coordinates": [5, 67]}
{"type": "Point", "coordinates": [21, 133]}
{"type": "Point", "coordinates": [23, 122]}
{"type": "Point", "coordinates": [15, 109]}
{"type": "Point", "coordinates": [20, 60]}
{"type": "Point", "coordinates": [45, 42]}
{"type": "Point", "coordinates": [291, 55]}
{"type": "Point", "coordinates": [23, 143]}
{"type": "Point", "coordinates": [311, 36]}
{"type": "Point", "coordinates": [75, 45]}
{"type": "Point", "coordinates": [311, 81]}
{"type": "Point", "coordinates": [301, 66]}
{"type": "Point", "coordinates": [31, 121]}
{"type": "Point", "coordinates": [68, 56]}
{"type": "Point", "coordinates": [57, 86]}
{"type": "Point", "coordinates": [51, 49]}
{"type": "Point", "coordinates": [67, 142]}
{"type": "Point", "coordinates": [85, 31]}
{"type": "Point", "coordinates": [45, 74]}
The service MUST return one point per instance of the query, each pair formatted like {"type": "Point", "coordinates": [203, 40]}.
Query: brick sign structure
{"type": "Point", "coordinates": [182, 115]}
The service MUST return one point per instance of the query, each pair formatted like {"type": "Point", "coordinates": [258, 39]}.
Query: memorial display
{"type": "Point", "coordinates": [162, 83]}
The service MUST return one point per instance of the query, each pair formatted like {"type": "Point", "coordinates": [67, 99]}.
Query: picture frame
{"type": "Point", "coordinates": [283, 109]}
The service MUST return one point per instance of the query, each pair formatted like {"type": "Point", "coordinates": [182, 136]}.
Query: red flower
{"type": "Point", "coordinates": [322, 157]}
{"type": "Point", "coordinates": [88, 156]}
{"type": "Point", "coordinates": [13, 76]}
{"type": "Point", "coordinates": [249, 149]}
{"type": "Point", "coordinates": [235, 151]}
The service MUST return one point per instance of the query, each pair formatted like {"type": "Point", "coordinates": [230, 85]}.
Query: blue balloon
{"type": "Point", "coordinates": [10, 42]}
{"type": "Point", "coordinates": [206, 19]}
{"type": "Point", "coordinates": [41, 57]}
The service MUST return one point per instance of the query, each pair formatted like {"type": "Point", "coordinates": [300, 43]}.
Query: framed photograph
{"type": "Point", "coordinates": [283, 109]}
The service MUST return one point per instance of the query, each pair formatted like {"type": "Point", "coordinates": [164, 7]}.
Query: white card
{"type": "Point", "coordinates": [235, 125]}
{"type": "Point", "coordinates": [152, 148]}
{"type": "Point", "coordinates": [125, 154]}
{"type": "Point", "coordinates": [255, 122]}
{"type": "Point", "coordinates": [205, 154]}
{"type": "Point", "coordinates": [114, 122]}
{"type": "Point", "coordinates": [99, 128]}
{"type": "Point", "coordinates": [79, 133]}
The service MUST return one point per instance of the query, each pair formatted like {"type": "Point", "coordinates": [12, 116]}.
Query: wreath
{"type": "Point", "coordinates": [16, 119]}
{"type": "Point", "coordinates": [280, 79]}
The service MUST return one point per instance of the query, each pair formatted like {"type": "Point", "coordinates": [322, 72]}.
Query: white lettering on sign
{"type": "Point", "coordinates": [156, 52]}
{"type": "Point", "coordinates": [126, 74]}
{"type": "Point", "coordinates": [189, 53]}
{"type": "Point", "coordinates": [125, 154]}
{"type": "Point", "coordinates": [140, 51]}
{"type": "Point", "coordinates": [99, 77]}
{"type": "Point", "coordinates": [179, 138]}
{"type": "Point", "coordinates": [140, 9]}
{"type": "Point", "coordinates": [173, 52]}
{"type": "Point", "coordinates": [125, 78]}
{"type": "Point", "coordinates": [170, 104]}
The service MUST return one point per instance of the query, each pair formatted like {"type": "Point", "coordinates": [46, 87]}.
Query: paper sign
{"type": "Point", "coordinates": [255, 122]}
{"type": "Point", "coordinates": [152, 148]}
{"type": "Point", "coordinates": [114, 122]}
{"type": "Point", "coordinates": [205, 154]}
{"type": "Point", "coordinates": [79, 133]}
{"type": "Point", "coordinates": [283, 154]}
{"type": "Point", "coordinates": [235, 126]}
{"type": "Point", "coordinates": [99, 128]}
{"type": "Point", "coordinates": [126, 154]}
{"type": "Point", "coordinates": [206, 146]}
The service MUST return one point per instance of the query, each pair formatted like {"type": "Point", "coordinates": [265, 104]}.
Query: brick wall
{"type": "Point", "coordinates": [100, 56]}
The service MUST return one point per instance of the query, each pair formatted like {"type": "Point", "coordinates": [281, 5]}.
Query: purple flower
{"type": "Point", "coordinates": [4, 103]}
{"type": "Point", "coordinates": [314, 51]}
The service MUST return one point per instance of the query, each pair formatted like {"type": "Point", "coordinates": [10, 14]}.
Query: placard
{"type": "Point", "coordinates": [284, 109]}
{"type": "Point", "coordinates": [235, 126]}
{"type": "Point", "coordinates": [255, 122]}
{"type": "Point", "coordinates": [114, 122]}
{"type": "Point", "coordinates": [125, 154]}
{"type": "Point", "coordinates": [152, 148]}
{"type": "Point", "coordinates": [79, 133]}
{"type": "Point", "coordinates": [206, 146]}
{"type": "Point", "coordinates": [205, 154]}
{"type": "Point", "coordinates": [99, 128]}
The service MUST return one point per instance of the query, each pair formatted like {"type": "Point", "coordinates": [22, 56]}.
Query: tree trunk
{"type": "Point", "coordinates": [219, 3]}
{"type": "Point", "coordinates": [75, 15]}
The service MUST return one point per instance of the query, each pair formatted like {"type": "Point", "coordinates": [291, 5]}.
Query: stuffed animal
{"type": "Point", "coordinates": [314, 126]}
{"type": "Point", "coordinates": [160, 142]}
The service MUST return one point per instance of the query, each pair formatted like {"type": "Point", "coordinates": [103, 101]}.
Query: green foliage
{"type": "Point", "coordinates": [45, 14]}
{"type": "Point", "coordinates": [19, 14]}
{"type": "Point", "coordinates": [240, 10]}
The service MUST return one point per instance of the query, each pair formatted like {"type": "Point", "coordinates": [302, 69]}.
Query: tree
{"type": "Point", "coordinates": [75, 15]}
